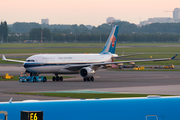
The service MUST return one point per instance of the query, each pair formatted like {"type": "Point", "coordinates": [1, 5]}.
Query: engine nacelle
{"type": "Point", "coordinates": [87, 72]}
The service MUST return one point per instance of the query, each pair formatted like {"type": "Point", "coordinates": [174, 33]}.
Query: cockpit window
{"type": "Point", "coordinates": [30, 60]}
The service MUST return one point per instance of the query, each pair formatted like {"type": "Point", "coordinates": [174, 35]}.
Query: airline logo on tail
{"type": "Point", "coordinates": [111, 42]}
{"type": "Point", "coordinates": [113, 39]}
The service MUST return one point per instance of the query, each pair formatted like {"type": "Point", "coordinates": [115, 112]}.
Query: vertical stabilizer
{"type": "Point", "coordinates": [111, 42]}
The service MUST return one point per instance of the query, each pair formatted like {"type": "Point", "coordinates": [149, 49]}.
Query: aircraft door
{"type": "Point", "coordinates": [151, 117]}
{"type": "Point", "coordinates": [3, 115]}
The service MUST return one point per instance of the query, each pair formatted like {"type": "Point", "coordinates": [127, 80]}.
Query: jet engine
{"type": "Point", "coordinates": [87, 72]}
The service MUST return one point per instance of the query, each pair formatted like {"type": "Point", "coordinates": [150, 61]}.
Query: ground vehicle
{"type": "Point", "coordinates": [7, 76]}
{"type": "Point", "coordinates": [169, 66]}
{"type": "Point", "coordinates": [165, 67]}
{"type": "Point", "coordinates": [25, 77]}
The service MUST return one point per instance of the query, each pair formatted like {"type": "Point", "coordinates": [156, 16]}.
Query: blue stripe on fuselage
{"type": "Point", "coordinates": [29, 65]}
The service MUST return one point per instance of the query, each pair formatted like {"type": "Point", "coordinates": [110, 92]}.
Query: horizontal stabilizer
{"type": "Point", "coordinates": [119, 57]}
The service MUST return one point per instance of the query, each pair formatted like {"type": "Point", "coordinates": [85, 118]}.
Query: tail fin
{"type": "Point", "coordinates": [111, 42]}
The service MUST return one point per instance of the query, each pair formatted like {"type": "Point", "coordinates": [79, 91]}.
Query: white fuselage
{"type": "Point", "coordinates": [56, 63]}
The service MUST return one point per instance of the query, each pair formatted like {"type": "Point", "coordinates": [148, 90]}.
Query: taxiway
{"type": "Point", "coordinates": [147, 82]}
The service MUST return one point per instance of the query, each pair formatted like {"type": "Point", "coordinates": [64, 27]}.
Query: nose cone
{"type": "Point", "coordinates": [26, 65]}
{"type": "Point", "coordinates": [31, 67]}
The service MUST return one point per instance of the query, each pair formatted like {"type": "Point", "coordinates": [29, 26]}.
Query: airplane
{"type": "Point", "coordinates": [83, 64]}
{"type": "Point", "coordinates": [145, 108]}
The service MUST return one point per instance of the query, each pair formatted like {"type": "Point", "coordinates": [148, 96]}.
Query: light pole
{"type": "Point", "coordinates": [75, 38]}
{"type": "Point", "coordinates": [100, 37]}
{"type": "Point", "coordinates": [2, 39]}
{"type": "Point", "coordinates": [52, 37]}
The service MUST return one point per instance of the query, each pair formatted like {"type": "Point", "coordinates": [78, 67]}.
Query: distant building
{"type": "Point", "coordinates": [161, 20]}
{"type": "Point", "coordinates": [45, 21]}
{"type": "Point", "coordinates": [157, 20]}
{"type": "Point", "coordinates": [109, 20]}
{"type": "Point", "coordinates": [175, 19]}
{"type": "Point", "coordinates": [176, 15]}
{"type": "Point", "coordinates": [144, 23]}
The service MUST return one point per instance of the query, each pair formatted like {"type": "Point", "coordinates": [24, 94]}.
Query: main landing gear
{"type": "Point", "coordinates": [88, 78]}
{"type": "Point", "coordinates": [57, 78]}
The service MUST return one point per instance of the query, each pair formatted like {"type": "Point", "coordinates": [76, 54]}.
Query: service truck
{"type": "Point", "coordinates": [25, 77]}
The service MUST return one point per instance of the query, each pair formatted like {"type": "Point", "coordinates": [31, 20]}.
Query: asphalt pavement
{"type": "Point", "coordinates": [145, 82]}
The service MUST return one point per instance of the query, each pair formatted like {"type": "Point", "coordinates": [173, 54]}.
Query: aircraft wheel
{"type": "Point", "coordinates": [84, 79]}
{"type": "Point", "coordinates": [57, 78]}
{"type": "Point", "coordinates": [61, 78]}
{"type": "Point", "coordinates": [34, 79]}
{"type": "Point", "coordinates": [92, 78]}
{"type": "Point", "coordinates": [54, 78]}
{"type": "Point", "coordinates": [44, 79]}
{"type": "Point", "coordinates": [88, 79]}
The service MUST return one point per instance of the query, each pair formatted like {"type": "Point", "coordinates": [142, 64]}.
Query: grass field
{"type": "Point", "coordinates": [18, 45]}
{"type": "Point", "coordinates": [92, 50]}
{"type": "Point", "coordinates": [88, 50]}
{"type": "Point", "coordinates": [89, 95]}
{"type": "Point", "coordinates": [155, 52]}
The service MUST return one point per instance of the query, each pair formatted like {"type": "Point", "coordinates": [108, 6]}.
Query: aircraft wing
{"type": "Point", "coordinates": [74, 67]}
{"type": "Point", "coordinates": [145, 60]}
{"type": "Point", "coordinates": [4, 58]}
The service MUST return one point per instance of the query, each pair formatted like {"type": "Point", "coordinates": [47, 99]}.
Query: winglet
{"type": "Point", "coordinates": [174, 57]}
{"type": "Point", "coordinates": [3, 57]}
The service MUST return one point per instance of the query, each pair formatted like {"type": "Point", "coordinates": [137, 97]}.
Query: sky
{"type": "Point", "coordinates": [87, 12]}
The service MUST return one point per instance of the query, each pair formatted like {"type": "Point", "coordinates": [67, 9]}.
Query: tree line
{"type": "Point", "coordinates": [124, 28]}
{"type": "Point", "coordinates": [3, 31]}
{"type": "Point", "coordinates": [49, 37]}
{"type": "Point", "coordinates": [157, 32]}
